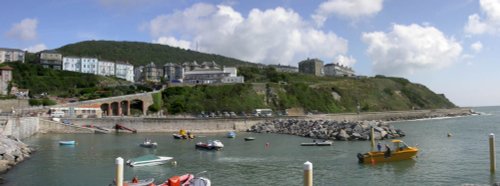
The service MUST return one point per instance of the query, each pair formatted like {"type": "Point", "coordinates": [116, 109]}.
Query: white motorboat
{"type": "Point", "coordinates": [148, 160]}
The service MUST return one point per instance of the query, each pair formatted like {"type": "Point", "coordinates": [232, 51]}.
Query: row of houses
{"type": "Point", "coordinates": [189, 72]}
{"type": "Point", "coordinates": [10, 54]}
{"type": "Point", "coordinates": [316, 67]}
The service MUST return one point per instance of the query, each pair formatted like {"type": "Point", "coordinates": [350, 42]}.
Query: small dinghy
{"type": "Point", "coordinates": [72, 142]}
{"type": "Point", "coordinates": [231, 134]}
{"type": "Point", "coordinates": [148, 144]}
{"type": "Point", "coordinates": [187, 180]}
{"type": "Point", "coordinates": [321, 143]}
{"type": "Point", "coordinates": [133, 182]}
{"type": "Point", "coordinates": [148, 160]}
{"type": "Point", "coordinates": [249, 138]}
{"type": "Point", "coordinates": [210, 145]}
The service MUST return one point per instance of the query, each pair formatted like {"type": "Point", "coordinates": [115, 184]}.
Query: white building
{"type": "Point", "coordinates": [89, 65]}
{"type": "Point", "coordinates": [106, 68]}
{"type": "Point", "coordinates": [8, 55]}
{"type": "Point", "coordinates": [233, 71]}
{"type": "Point", "coordinates": [124, 71]}
{"type": "Point", "coordinates": [335, 69]}
{"type": "Point", "coordinates": [72, 64]}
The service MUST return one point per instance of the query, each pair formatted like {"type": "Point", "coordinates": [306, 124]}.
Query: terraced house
{"type": "Point", "coordinates": [8, 55]}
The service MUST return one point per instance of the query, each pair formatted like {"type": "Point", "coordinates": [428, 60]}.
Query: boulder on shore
{"type": "Point", "coordinates": [321, 129]}
{"type": "Point", "coordinates": [12, 152]}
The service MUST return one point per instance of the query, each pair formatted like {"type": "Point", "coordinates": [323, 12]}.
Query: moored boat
{"type": "Point", "coordinates": [183, 134]}
{"type": "Point", "coordinates": [231, 134]}
{"type": "Point", "coordinates": [400, 151]}
{"type": "Point", "coordinates": [316, 143]}
{"type": "Point", "coordinates": [148, 160]}
{"type": "Point", "coordinates": [186, 180]}
{"type": "Point", "coordinates": [71, 142]}
{"type": "Point", "coordinates": [249, 138]}
{"type": "Point", "coordinates": [148, 144]}
{"type": "Point", "coordinates": [210, 145]}
{"type": "Point", "coordinates": [144, 182]}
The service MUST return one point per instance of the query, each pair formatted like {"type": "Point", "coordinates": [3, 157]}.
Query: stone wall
{"type": "Point", "coordinates": [19, 127]}
{"type": "Point", "coordinates": [8, 104]}
{"type": "Point", "coordinates": [395, 115]}
{"type": "Point", "coordinates": [171, 124]}
{"type": "Point", "coordinates": [48, 126]}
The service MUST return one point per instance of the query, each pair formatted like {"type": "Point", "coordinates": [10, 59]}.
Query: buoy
{"type": "Point", "coordinates": [267, 145]}
{"type": "Point", "coordinates": [449, 135]}
{"type": "Point", "coordinates": [174, 163]}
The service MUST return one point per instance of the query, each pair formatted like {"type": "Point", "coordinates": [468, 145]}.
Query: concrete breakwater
{"type": "Point", "coordinates": [328, 129]}
{"type": "Point", "coordinates": [12, 152]}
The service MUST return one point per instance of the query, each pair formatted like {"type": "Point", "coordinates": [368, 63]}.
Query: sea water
{"type": "Point", "coordinates": [457, 160]}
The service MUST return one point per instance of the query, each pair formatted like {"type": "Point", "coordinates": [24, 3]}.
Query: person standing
{"type": "Point", "coordinates": [379, 147]}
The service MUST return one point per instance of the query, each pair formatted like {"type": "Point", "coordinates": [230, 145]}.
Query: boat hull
{"type": "Point", "coordinates": [150, 145]}
{"type": "Point", "coordinates": [149, 161]}
{"type": "Point", "coordinates": [144, 182]}
{"type": "Point", "coordinates": [249, 139]}
{"type": "Point", "coordinates": [67, 142]}
{"type": "Point", "coordinates": [381, 157]}
{"type": "Point", "coordinates": [207, 147]}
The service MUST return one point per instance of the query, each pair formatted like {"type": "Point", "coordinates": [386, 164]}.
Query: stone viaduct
{"type": "Point", "coordinates": [119, 105]}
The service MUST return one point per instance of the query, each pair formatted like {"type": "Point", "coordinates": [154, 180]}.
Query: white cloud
{"type": "Point", "coordinates": [353, 9]}
{"type": "Point", "coordinates": [406, 49]}
{"type": "Point", "coordinates": [172, 41]}
{"type": "Point", "coordinates": [476, 47]}
{"type": "Point", "coordinates": [345, 60]}
{"type": "Point", "coordinates": [273, 36]}
{"type": "Point", "coordinates": [24, 30]}
{"type": "Point", "coordinates": [36, 48]}
{"type": "Point", "coordinates": [489, 23]}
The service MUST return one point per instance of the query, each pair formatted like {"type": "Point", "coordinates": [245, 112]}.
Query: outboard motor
{"type": "Point", "coordinates": [361, 158]}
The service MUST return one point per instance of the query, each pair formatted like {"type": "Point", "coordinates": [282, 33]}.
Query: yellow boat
{"type": "Point", "coordinates": [400, 151]}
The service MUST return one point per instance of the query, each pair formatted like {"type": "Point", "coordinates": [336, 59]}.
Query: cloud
{"type": "Point", "coordinates": [345, 60]}
{"type": "Point", "coordinates": [353, 9]}
{"type": "Point", "coordinates": [489, 22]}
{"type": "Point", "coordinates": [408, 48]}
{"type": "Point", "coordinates": [36, 48]}
{"type": "Point", "coordinates": [24, 30]}
{"type": "Point", "coordinates": [172, 41]}
{"type": "Point", "coordinates": [476, 47]}
{"type": "Point", "coordinates": [272, 36]}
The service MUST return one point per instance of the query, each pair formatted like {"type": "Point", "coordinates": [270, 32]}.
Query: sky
{"type": "Point", "coordinates": [447, 45]}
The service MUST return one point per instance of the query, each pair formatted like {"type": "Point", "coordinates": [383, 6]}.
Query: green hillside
{"type": "Point", "coordinates": [280, 91]}
{"type": "Point", "coordinates": [140, 53]}
{"type": "Point", "coordinates": [68, 84]}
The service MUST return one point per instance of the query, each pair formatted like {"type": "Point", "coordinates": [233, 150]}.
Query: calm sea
{"type": "Point", "coordinates": [460, 159]}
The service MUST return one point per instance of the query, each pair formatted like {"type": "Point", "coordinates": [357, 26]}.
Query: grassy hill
{"type": "Point", "coordinates": [280, 91]}
{"type": "Point", "coordinates": [140, 53]}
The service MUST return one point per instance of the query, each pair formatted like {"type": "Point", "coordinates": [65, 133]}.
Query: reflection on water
{"type": "Point", "coordinates": [460, 159]}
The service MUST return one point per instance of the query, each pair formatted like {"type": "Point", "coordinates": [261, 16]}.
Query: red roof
{"type": "Point", "coordinates": [6, 68]}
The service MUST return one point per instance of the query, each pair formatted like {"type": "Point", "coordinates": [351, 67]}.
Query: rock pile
{"type": "Point", "coordinates": [12, 152]}
{"type": "Point", "coordinates": [331, 130]}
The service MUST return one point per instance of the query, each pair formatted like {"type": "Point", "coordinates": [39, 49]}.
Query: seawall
{"type": "Point", "coordinates": [395, 115]}
{"type": "Point", "coordinates": [172, 124]}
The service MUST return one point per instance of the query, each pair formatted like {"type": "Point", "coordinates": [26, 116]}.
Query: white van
{"type": "Point", "coordinates": [57, 114]}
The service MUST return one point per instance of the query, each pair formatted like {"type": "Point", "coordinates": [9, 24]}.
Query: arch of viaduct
{"type": "Point", "coordinates": [118, 106]}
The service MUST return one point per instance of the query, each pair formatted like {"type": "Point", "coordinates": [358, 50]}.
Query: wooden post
{"type": "Point", "coordinates": [372, 138]}
{"type": "Point", "coordinates": [492, 153]}
{"type": "Point", "coordinates": [119, 171]}
{"type": "Point", "coordinates": [308, 173]}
